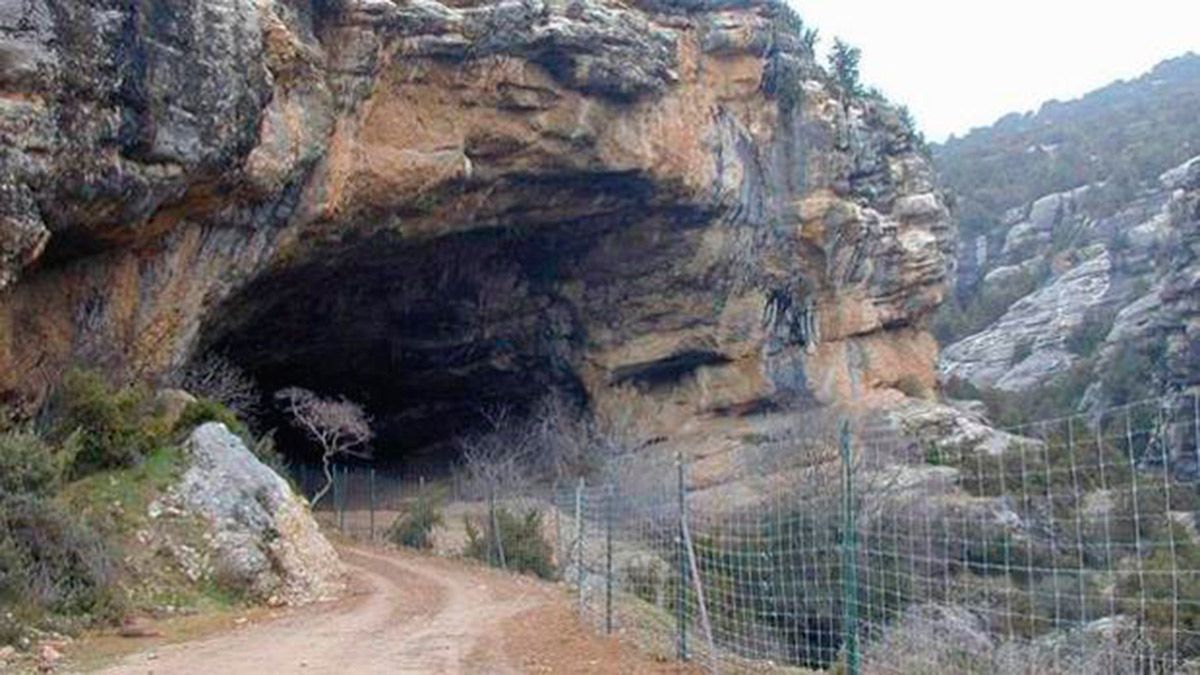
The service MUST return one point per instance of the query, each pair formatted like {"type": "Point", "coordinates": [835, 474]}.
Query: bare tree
{"type": "Point", "coordinates": [500, 458]}
{"type": "Point", "coordinates": [339, 425]}
{"type": "Point", "coordinates": [217, 378]}
{"type": "Point", "coordinates": [556, 441]}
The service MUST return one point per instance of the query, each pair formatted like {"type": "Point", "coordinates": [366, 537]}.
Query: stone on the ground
{"type": "Point", "coordinates": [265, 540]}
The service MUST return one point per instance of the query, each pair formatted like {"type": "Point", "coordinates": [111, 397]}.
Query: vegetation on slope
{"type": "Point", "coordinates": [1126, 134]}
{"type": "Point", "coordinates": [79, 543]}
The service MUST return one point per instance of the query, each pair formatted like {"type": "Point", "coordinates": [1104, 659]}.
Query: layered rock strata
{"type": "Point", "coordinates": [437, 206]}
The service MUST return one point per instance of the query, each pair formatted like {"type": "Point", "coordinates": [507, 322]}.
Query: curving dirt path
{"type": "Point", "coordinates": [408, 613]}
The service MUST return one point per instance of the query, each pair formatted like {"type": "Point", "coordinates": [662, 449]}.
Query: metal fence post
{"type": "Point", "coordinates": [558, 547]}
{"type": "Point", "coordinates": [608, 563]}
{"type": "Point", "coordinates": [499, 538]}
{"type": "Point", "coordinates": [681, 588]}
{"type": "Point", "coordinates": [579, 542]}
{"type": "Point", "coordinates": [849, 557]}
{"type": "Point", "coordinates": [336, 486]}
{"type": "Point", "coordinates": [1196, 426]}
{"type": "Point", "coordinates": [491, 524]}
{"type": "Point", "coordinates": [371, 490]}
{"type": "Point", "coordinates": [342, 506]}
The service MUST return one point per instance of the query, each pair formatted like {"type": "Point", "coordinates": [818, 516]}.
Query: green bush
{"type": "Point", "coordinates": [117, 426]}
{"type": "Point", "coordinates": [648, 578]}
{"type": "Point", "coordinates": [525, 548]}
{"type": "Point", "coordinates": [415, 527]}
{"type": "Point", "coordinates": [51, 562]}
{"type": "Point", "coordinates": [1021, 351]}
{"type": "Point", "coordinates": [204, 410]}
{"type": "Point", "coordinates": [28, 465]}
{"type": "Point", "coordinates": [1157, 590]}
{"type": "Point", "coordinates": [1129, 375]}
{"type": "Point", "coordinates": [267, 453]}
{"type": "Point", "coordinates": [1086, 338]}
{"type": "Point", "coordinates": [912, 386]}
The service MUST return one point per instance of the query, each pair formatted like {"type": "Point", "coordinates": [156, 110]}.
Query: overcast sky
{"type": "Point", "coordinates": [964, 64]}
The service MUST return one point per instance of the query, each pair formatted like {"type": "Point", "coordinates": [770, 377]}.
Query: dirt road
{"type": "Point", "coordinates": [408, 613]}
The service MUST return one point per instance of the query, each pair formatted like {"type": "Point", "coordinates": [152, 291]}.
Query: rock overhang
{"type": "Point", "coordinates": [694, 173]}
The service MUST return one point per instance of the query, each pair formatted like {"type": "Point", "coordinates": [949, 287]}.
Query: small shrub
{"type": "Point", "coordinates": [204, 410]}
{"type": "Point", "coordinates": [1070, 596]}
{"type": "Point", "coordinates": [1154, 593]}
{"type": "Point", "coordinates": [1130, 374]}
{"type": "Point", "coordinates": [912, 386]}
{"type": "Point", "coordinates": [268, 453]}
{"type": "Point", "coordinates": [414, 528]}
{"type": "Point", "coordinates": [1021, 351]}
{"type": "Point", "coordinates": [1086, 338]}
{"type": "Point", "coordinates": [116, 427]}
{"type": "Point", "coordinates": [648, 577]}
{"type": "Point", "coordinates": [525, 548]}
{"type": "Point", "coordinates": [50, 561]}
{"type": "Point", "coordinates": [28, 465]}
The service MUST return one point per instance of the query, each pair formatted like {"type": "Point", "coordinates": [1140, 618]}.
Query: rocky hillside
{"type": "Point", "coordinates": [122, 506]}
{"type": "Point", "coordinates": [1078, 267]}
{"type": "Point", "coordinates": [432, 207]}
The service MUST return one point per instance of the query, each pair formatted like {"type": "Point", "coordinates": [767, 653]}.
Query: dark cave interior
{"type": "Point", "coordinates": [428, 337]}
{"type": "Point", "coordinates": [432, 333]}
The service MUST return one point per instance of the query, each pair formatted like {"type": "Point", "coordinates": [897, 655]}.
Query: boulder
{"type": "Point", "coordinates": [264, 538]}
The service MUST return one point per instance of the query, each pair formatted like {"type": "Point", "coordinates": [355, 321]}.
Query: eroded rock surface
{"type": "Point", "coordinates": [1129, 279]}
{"type": "Point", "coordinates": [264, 539]}
{"type": "Point", "coordinates": [669, 198]}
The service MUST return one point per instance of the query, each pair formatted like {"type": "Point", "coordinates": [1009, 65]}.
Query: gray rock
{"type": "Point", "coordinates": [1183, 176]}
{"type": "Point", "coordinates": [1040, 321]}
{"type": "Point", "coordinates": [1050, 214]}
{"type": "Point", "coordinates": [264, 537]}
{"type": "Point", "coordinates": [953, 430]}
{"type": "Point", "coordinates": [1141, 263]}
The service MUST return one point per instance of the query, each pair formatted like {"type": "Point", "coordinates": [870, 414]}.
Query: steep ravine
{"type": "Point", "coordinates": [434, 207]}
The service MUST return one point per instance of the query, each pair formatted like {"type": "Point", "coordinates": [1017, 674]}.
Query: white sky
{"type": "Point", "coordinates": [963, 64]}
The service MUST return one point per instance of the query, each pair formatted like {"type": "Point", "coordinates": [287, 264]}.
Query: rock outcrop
{"type": "Point", "coordinates": [1082, 263]}
{"type": "Point", "coordinates": [440, 206]}
{"type": "Point", "coordinates": [1180, 289]}
{"type": "Point", "coordinates": [1112, 282]}
{"type": "Point", "coordinates": [264, 541]}
{"type": "Point", "coordinates": [1027, 346]}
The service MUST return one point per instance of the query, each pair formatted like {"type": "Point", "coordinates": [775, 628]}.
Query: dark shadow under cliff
{"type": "Point", "coordinates": [431, 335]}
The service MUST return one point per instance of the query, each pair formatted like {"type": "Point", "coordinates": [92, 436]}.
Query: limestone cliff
{"type": "Point", "coordinates": [1115, 299]}
{"type": "Point", "coordinates": [438, 205]}
{"type": "Point", "coordinates": [1077, 273]}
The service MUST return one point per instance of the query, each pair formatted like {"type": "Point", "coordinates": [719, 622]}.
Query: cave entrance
{"type": "Point", "coordinates": [428, 336]}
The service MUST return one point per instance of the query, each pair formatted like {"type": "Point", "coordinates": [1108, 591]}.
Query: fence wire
{"type": "Point", "coordinates": [1070, 547]}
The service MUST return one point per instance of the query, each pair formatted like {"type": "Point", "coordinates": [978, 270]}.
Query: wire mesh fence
{"type": "Point", "coordinates": [1071, 546]}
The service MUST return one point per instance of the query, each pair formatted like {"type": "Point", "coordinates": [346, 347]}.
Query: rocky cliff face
{"type": "Point", "coordinates": [433, 207]}
{"type": "Point", "coordinates": [1115, 283]}
{"type": "Point", "coordinates": [1084, 289]}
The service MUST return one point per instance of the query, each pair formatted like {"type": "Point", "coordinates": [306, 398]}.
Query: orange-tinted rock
{"type": "Point", "coordinates": [699, 219]}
